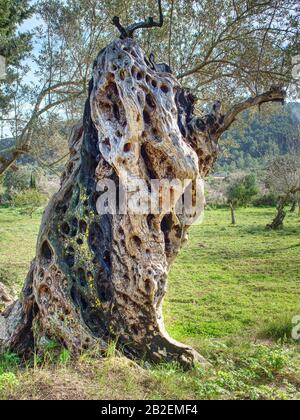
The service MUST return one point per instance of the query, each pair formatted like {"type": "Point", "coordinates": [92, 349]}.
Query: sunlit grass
{"type": "Point", "coordinates": [233, 292]}
{"type": "Point", "coordinates": [231, 281]}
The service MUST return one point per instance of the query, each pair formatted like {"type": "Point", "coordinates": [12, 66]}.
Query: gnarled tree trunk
{"type": "Point", "coordinates": [98, 277]}
{"type": "Point", "coordinates": [280, 216]}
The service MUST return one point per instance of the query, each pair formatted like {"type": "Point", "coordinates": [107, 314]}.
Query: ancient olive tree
{"type": "Point", "coordinates": [102, 276]}
{"type": "Point", "coordinates": [283, 179]}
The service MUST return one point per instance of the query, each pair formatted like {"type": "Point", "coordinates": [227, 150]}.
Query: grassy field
{"type": "Point", "coordinates": [233, 292]}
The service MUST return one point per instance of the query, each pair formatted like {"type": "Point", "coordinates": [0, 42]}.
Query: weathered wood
{"type": "Point", "coordinates": [101, 277]}
{"type": "Point", "coordinates": [277, 223]}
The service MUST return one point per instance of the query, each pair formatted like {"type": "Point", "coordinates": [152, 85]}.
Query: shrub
{"type": "Point", "coordinates": [17, 180]}
{"type": "Point", "coordinates": [8, 362]}
{"type": "Point", "coordinates": [242, 190]}
{"type": "Point", "coordinates": [8, 381]}
{"type": "Point", "coordinates": [266, 200]}
{"type": "Point", "coordinates": [28, 201]}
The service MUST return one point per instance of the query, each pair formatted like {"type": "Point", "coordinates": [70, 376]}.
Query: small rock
{"type": "Point", "coordinates": [5, 298]}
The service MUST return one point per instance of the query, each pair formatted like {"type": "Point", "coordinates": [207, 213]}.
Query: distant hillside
{"type": "Point", "coordinates": [250, 144]}
{"type": "Point", "coordinates": [258, 137]}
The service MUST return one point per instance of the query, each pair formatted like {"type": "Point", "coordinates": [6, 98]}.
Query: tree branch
{"type": "Point", "coordinates": [263, 45]}
{"type": "Point", "coordinates": [220, 38]}
{"type": "Point", "coordinates": [275, 94]}
{"type": "Point", "coordinates": [9, 156]}
{"type": "Point", "coordinates": [127, 32]}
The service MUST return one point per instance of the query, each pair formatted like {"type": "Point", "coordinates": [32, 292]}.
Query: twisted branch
{"type": "Point", "coordinates": [127, 32]}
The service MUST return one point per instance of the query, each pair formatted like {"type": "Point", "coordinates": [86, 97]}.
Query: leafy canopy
{"type": "Point", "coordinates": [242, 190]}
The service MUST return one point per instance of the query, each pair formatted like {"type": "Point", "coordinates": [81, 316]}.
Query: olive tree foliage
{"type": "Point", "coordinates": [17, 180]}
{"type": "Point", "coordinates": [227, 50]}
{"type": "Point", "coordinates": [70, 34]}
{"type": "Point", "coordinates": [14, 46]}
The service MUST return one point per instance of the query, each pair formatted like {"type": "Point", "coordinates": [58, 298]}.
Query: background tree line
{"type": "Point", "coordinates": [258, 137]}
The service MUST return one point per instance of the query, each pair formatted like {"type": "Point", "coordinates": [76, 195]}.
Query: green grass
{"type": "Point", "coordinates": [18, 234]}
{"type": "Point", "coordinates": [233, 292]}
{"type": "Point", "coordinates": [233, 281]}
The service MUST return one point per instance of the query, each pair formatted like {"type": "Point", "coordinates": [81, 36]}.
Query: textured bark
{"type": "Point", "coordinates": [8, 158]}
{"type": "Point", "coordinates": [102, 277]}
{"type": "Point", "coordinates": [280, 216]}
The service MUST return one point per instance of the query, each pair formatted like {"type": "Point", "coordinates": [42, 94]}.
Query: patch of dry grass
{"type": "Point", "coordinates": [85, 379]}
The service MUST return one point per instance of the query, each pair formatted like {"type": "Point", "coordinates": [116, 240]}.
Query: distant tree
{"type": "Point", "coordinates": [29, 201]}
{"type": "Point", "coordinates": [283, 178]}
{"type": "Point", "coordinates": [17, 180]}
{"type": "Point", "coordinates": [240, 193]}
